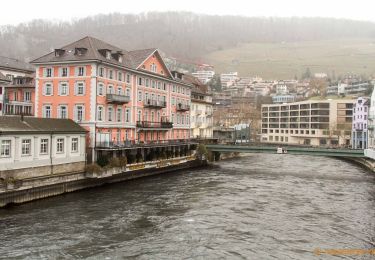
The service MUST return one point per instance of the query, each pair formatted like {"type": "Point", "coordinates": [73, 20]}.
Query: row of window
{"type": "Point", "coordinates": [296, 131]}
{"type": "Point", "coordinates": [64, 72]}
{"type": "Point", "coordinates": [63, 89]}
{"type": "Point", "coordinates": [113, 115]}
{"type": "Point", "coordinates": [162, 86]}
{"type": "Point", "coordinates": [115, 75]}
{"type": "Point", "coordinates": [6, 146]}
{"type": "Point", "coordinates": [63, 112]}
{"type": "Point", "coordinates": [102, 90]}
{"type": "Point", "coordinates": [25, 95]}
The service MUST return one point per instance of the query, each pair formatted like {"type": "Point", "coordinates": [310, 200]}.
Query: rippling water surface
{"type": "Point", "coordinates": [255, 207]}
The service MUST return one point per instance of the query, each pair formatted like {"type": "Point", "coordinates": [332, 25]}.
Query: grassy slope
{"type": "Point", "coordinates": [285, 60]}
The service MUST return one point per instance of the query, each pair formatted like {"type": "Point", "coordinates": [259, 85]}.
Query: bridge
{"type": "Point", "coordinates": [290, 150]}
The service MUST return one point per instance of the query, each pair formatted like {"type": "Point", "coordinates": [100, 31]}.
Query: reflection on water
{"type": "Point", "coordinates": [255, 207]}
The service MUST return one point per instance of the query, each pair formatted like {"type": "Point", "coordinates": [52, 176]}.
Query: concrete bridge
{"type": "Point", "coordinates": [290, 150]}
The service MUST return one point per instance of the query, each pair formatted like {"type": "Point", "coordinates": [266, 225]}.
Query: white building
{"type": "Point", "coordinates": [227, 79]}
{"type": "Point", "coordinates": [370, 152]}
{"type": "Point", "coordinates": [360, 124]}
{"type": "Point", "coordinates": [317, 123]}
{"type": "Point", "coordinates": [201, 111]}
{"type": "Point", "coordinates": [204, 75]}
{"type": "Point", "coordinates": [35, 147]}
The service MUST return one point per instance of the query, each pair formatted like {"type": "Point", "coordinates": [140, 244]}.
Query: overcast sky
{"type": "Point", "coordinates": [17, 11]}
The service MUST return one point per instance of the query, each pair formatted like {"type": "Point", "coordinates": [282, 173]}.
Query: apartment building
{"type": "Point", "coordinates": [121, 97]}
{"type": "Point", "coordinates": [317, 123]}
{"type": "Point", "coordinates": [19, 93]}
{"type": "Point", "coordinates": [227, 79]}
{"type": "Point", "coordinates": [204, 75]}
{"type": "Point", "coordinates": [360, 124]}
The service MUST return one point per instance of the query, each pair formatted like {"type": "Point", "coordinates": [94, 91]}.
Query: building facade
{"type": "Point", "coordinates": [204, 75]}
{"type": "Point", "coordinates": [3, 82]}
{"type": "Point", "coordinates": [121, 97]}
{"type": "Point", "coordinates": [227, 79]}
{"type": "Point", "coordinates": [19, 93]}
{"type": "Point", "coordinates": [360, 124]}
{"type": "Point", "coordinates": [201, 112]}
{"type": "Point", "coordinates": [317, 123]}
{"type": "Point", "coordinates": [34, 147]}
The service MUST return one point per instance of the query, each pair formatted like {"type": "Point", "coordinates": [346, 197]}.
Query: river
{"type": "Point", "coordinates": [260, 206]}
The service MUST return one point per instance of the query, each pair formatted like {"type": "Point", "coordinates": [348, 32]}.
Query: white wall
{"type": "Point", "coordinates": [36, 159]}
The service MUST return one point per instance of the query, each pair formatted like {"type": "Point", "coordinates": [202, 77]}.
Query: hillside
{"type": "Point", "coordinates": [289, 59]}
{"type": "Point", "coordinates": [251, 45]}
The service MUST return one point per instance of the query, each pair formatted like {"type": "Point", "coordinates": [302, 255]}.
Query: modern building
{"type": "Point", "coordinates": [317, 123]}
{"type": "Point", "coordinates": [349, 87]}
{"type": "Point", "coordinates": [227, 79]}
{"type": "Point", "coordinates": [123, 98]}
{"type": "Point", "coordinates": [280, 99]}
{"type": "Point", "coordinates": [34, 147]}
{"type": "Point", "coordinates": [204, 75]}
{"type": "Point", "coordinates": [360, 124]}
{"type": "Point", "coordinates": [242, 133]}
{"type": "Point", "coordinates": [19, 94]}
{"type": "Point", "coordinates": [201, 112]}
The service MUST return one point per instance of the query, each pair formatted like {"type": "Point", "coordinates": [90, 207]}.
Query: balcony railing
{"type": "Point", "coordinates": [135, 143]}
{"type": "Point", "coordinates": [149, 124]}
{"type": "Point", "coordinates": [155, 104]}
{"type": "Point", "coordinates": [117, 99]}
{"type": "Point", "coordinates": [182, 107]}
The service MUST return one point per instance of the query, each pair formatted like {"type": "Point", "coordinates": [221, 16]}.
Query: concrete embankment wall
{"type": "Point", "coordinates": [367, 163]}
{"type": "Point", "coordinates": [25, 195]}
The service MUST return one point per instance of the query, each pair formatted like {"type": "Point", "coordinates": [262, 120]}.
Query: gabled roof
{"type": "Point", "coordinates": [140, 56]}
{"type": "Point", "coordinates": [12, 124]}
{"type": "Point", "coordinates": [199, 87]}
{"type": "Point", "coordinates": [15, 64]}
{"type": "Point", "coordinates": [3, 78]}
{"type": "Point", "coordinates": [130, 59]}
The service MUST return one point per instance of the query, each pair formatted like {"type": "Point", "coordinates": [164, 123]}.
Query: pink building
{"type": "Point", "coordinates": [123, 98]}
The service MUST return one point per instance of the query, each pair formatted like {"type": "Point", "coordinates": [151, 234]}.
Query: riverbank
{"type": "Point", "coordinates": [38, 188]}
{"type": "Point", "coordinates": [366, 163]}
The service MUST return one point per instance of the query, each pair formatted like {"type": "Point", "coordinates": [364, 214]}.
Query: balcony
{"type": "Point", "coordinates": [155, 104]}
{"type": "Point", "coordinates": [117, 99]}
{"type": "Point", "coordinates": [153, 125]}
{"type": "Point", "coordinates": [182, 107]}
{"type": "Point", "coordinates": [136, 144]}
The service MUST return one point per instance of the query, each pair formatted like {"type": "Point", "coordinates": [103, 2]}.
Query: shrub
{"type": "Point", "coordinates": [139, 157]}
{"type": "Point", "coordinates": [93, 168]}
{"type": "Point", "coordinates": [114, 162]}
{"type": "Point", "coordinates": [123, 161]}
{"type": "Point", "coordinates": [163, 155]}
{"type": "Point", "coordinates": [102, 161]}
{"type": "Point", "coordinates": [202, 150]}
{"type": "Point", "coordinates": [130, 158]}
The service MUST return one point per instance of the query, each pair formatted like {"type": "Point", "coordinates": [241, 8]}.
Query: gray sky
{"type": "Point", "coordinates": [26, 10]}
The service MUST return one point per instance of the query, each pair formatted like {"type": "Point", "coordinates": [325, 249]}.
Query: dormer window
{"type": "Point", "coordinates": [108, 55]}
{"type": "Point", "coordinates": [59, 52]}
{"type": "Point", "coordinates": [80, 51]}
{"type": "Point", "coordinates": [120, 59]}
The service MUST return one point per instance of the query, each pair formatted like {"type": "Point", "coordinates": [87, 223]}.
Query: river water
{"type": "Point", "coordinates": [260, 206]}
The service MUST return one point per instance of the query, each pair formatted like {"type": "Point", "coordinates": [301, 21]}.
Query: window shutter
{"type": "Point", "coordinates": [83, 113]}
{"type": "Point", "coordinates": [58, 112]}
{"type": "Point", "coordinates": [75, 113]}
